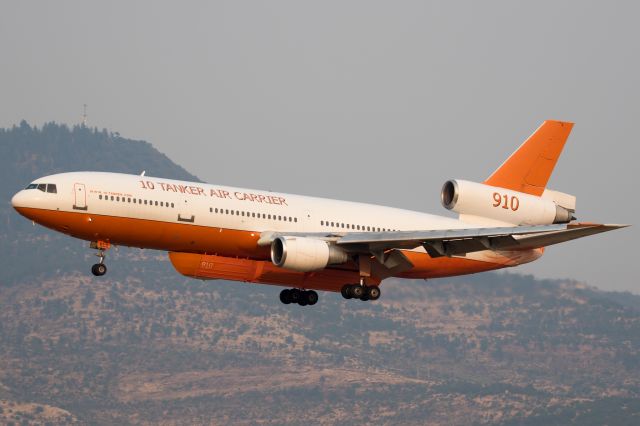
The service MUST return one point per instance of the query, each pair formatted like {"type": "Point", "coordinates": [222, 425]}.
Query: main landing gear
{"type": "Point", "coordinates": [99, 269]}
{"type": "Point", "coordinates": [301, 297]}
{"type": "Point", "coordinates": [360, 291]}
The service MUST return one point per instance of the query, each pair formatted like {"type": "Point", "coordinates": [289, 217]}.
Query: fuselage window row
{"type": "Point", "coordinates": [253, 214]}
{"type": "Point", "coordinates": [354, 227]}
{"type": "Point", "coordinates": [136, 201]}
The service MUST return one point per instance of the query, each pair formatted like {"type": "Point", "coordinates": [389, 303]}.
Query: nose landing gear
{"type": "Point", "coordinates": [99, 269]}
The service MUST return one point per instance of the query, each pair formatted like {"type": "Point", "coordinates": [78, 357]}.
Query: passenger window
{"type": "Point", "coordinates": [172, 205]}
{"type": "Point", "coordinates": [51, 188]}
{"type": "Point", "coordinates": [100, 197]}
{"type": "Point", "coordinates": [295, 219]}
{"type": "Point", "coordinates": [279, 217]}
{"type": "Point", "coordinates": [145, 202]}
{"type": "Point", "coordinates": [134, 201]}
{"type": "Point", "coordinates": [156, 203]}
{"type": "Point", "coordinates": [253, 215]}
{"type": "Point", "coordinates": [358, 227]}
{"type": "Point", "coordinates": [128, 200]}
{"type": "Point", "coordinates": [322, 223]}
{"type": "Point", "coordinates": [161, 203]}
{"type": "Point", "coordinates": [117, 198]}
{"type": "Point", "coordinates": [112, 198]}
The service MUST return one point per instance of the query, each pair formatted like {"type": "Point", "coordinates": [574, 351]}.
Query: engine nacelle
{"type": "Point", "coordinates": [305, 254]}
{"type": "Point", "coordinates": [477, 201]}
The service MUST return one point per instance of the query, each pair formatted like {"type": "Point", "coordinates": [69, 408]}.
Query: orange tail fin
{"type": "Point", "coordinates": [529, 168]}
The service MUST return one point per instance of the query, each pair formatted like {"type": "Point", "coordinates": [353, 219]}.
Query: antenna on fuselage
{"type": "Point", "coordinates": [143, 172]}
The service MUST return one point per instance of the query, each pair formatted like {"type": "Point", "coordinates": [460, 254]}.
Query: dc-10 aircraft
{"type": "Point", "coordinates": [218, 232]}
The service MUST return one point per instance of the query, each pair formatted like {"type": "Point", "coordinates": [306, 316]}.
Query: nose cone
{"type": "Point", "coordinates": [18, 200]}
{"type": "Point", "coordinates": [21, 202]}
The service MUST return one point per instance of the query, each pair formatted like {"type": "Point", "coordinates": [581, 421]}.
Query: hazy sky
{"type": "Point", "coordinates": [371, 101]}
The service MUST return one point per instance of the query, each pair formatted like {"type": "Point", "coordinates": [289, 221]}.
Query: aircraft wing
{"type": "Point", "coordinates": [452, 242]}
{"type": "Point", "coordinates": [460, 241]}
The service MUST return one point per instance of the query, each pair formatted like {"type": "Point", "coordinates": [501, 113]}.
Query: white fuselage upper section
{"type": "Point", "coordinates": [151, 198]}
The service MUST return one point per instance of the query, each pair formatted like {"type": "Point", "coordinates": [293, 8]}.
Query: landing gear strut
{"type": "Point", "coordinates": [99, 269]}
{"type": "Point", "coordinates": [360, 291]}
{"type": "Point", "coordinates": [301, 297]}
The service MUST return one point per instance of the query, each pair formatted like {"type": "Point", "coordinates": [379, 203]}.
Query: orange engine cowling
{"type": "Point", "coordinates": [209, 267]}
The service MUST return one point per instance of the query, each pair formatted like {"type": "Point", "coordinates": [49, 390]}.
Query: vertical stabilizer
{"type": "Point", "coordinates": [529, 168]}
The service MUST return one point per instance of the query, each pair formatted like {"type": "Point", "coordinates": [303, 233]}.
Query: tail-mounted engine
{"type": "Point", "coordinates": [305, 254]}
{"type": "Point", "coordinates": [476, 202]}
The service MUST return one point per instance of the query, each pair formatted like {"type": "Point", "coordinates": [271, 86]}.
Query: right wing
{"type": "Point", "coordinates": [457, 242]}
{"type": "Point", "coordinates": [452, 242]}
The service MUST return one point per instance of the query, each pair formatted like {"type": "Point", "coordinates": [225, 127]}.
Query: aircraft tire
{"type": "Point", "coordinates": [357, 291]}
{"type": "Point", "coordinates": [285, 296]}
{"type": "Point", "coordinates": [346, 291]}
{"type": "Point", "coordinates": [303, 299]}
{"type": "Point", "coordinates": [312, 297]}
{"type": "Point", "coordinates": [99, 269]}
{"type": "Point", "coordinates": [373, 292]}
{"type": "Point", "coordinates": [295, 295]}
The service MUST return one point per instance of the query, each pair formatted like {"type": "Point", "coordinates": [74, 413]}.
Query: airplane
{"type": "Point", "coordinates": [308, 244]}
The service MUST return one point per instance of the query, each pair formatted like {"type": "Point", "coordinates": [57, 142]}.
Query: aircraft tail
{"type": "Point", "coordinates": [529, 168]}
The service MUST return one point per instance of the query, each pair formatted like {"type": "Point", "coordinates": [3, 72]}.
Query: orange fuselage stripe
{"type": "Point", "coordinates": [231, 254]}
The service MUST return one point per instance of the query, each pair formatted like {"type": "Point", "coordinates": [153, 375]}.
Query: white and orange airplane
{"type": "Point", "coordinates": [218, 232]}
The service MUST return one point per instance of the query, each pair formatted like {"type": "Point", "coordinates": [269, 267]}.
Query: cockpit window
{"type": "Point", "coordinates": [44, 187]}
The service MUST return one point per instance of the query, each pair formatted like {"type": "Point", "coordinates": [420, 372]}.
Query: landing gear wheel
{"type": "Point", "coordinates": [312, 297]}
{"type": "Point", "coordinates": [357, 291]}
{"type": "Point", "coordinates": [295, 295]}
{"type": "Point", "coordinates": [373, 292]}
{"type": "Point", "coordinates": [346, 291]}
{"type": "Point", "coordinates": [285, 296]}
{"type": "Point", "coordinates": [99, 269]}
